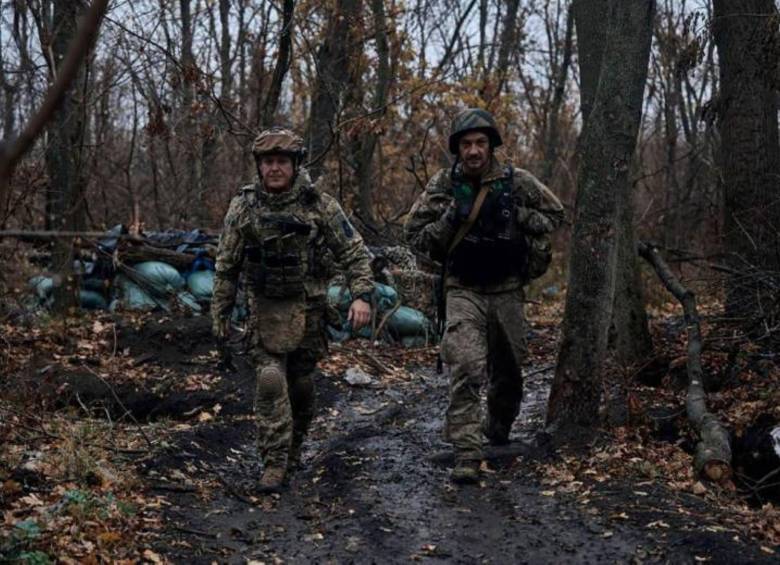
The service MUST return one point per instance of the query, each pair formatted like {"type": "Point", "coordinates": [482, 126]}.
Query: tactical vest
{"type": "Point", "coordinates": [276, 263]}
{"type": "Point", "coordinates": [493, 249]}
{"type": "Point", "coordinates": [277, 254]}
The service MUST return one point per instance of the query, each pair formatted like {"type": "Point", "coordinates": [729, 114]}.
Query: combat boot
{"type": "Point", "coordinates": [272, 480]}
{"type": "Point", "coordinates": [466, 472]}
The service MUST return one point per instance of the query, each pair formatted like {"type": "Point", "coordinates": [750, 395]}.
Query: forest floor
{"type": "Point", "coordinates": [123, 440]}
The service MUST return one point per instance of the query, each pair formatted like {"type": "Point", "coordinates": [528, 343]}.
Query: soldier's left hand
{"type": "Point", "coordinates": [359, 313]}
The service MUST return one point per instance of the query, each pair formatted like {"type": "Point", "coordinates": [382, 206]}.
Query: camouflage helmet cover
{"type": "Point", "coordinates": [474, 119]}
{"type": "Point", "coordinates": [278, 140]}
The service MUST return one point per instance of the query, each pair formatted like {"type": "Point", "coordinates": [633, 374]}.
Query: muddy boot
{"type": "Point", "coordinates": [273, 480]}
{"type": "Point", "coordinates": [466, 472]}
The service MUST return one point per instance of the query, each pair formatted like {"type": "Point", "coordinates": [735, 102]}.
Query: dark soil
{"type": "Point", "coordinates": [374, 487]}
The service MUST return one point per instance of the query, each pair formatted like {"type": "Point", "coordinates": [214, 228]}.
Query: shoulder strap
{"type": "Point", "coordinates": [466, 226]}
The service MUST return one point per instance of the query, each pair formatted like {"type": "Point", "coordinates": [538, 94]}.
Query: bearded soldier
{"type": "Point", "coordinates": [489, 224]}
{"type": "Point", "coordinates": [277, 231]}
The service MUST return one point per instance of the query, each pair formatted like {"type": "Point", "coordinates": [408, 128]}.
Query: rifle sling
{"type": "Point", "coordinates": [466, 226]}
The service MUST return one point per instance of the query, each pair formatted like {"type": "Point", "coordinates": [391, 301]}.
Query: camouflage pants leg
{"type": "Point", "coordinates": [507, 330]}
{"type": "Point", "coordinates": [284, 394]}
{"type": "Point", "coordinates": [464, 348]}
{"type": "Point", "coordinates": [273, 413]}
{"type": "Point", "coordinates": [301, 364]}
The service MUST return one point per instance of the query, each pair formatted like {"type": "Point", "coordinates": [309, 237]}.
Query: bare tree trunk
{"type": "Point", "coordinates": [632, 341]}
{"type": "Point", "coordinates": [224, 51]}
{"type": "Point", "coordinates": [65, 201]}
{"type": "Point", "coordinates": [747, 38]}
{"type": "Point", "coordinates": [283, 60]}
{"type": "Point", "coordinates": [507, 46]}
{"type": "Point", "coordinates": [607, 146]}
{"type": "Point", "coordinates": [553, 127]}
{"type": "Point", "coordinates": [332, 77]}
{"type": "Point", "coordinates": [365, 162]}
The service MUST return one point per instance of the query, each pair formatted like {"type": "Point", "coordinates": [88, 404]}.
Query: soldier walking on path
{"type": "Point", "coordinates": [489, 224]}
{"type": "Point", "coordinates": [276, 231]}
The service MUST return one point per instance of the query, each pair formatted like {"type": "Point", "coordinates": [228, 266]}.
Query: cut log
{"type": "Point", "coordinates": [138, 253]}
{"type": "Point", "coordinates": [712, 459]}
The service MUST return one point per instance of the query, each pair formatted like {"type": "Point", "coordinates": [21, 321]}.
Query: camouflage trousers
{"type": "Point", "coordinates": [284, 393]}
{"type": "Point", "coordinates": [485, 336]}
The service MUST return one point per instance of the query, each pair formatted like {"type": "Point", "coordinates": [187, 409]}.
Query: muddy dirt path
{"type": "Point", "coordinates": [374, 489]}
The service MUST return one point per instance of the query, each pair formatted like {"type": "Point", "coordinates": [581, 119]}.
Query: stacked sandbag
{"type": "Point", "coordinates": [400, 324]}
{"type": "Point", "coordinates": [152, 284]}
{"type": "Point", "coordinates": [90, 295]}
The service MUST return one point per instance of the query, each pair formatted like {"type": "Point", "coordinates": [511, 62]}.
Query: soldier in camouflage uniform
{"type": "Point", "coordinates": [276, 231]}
{"type": "Point", "coordinates": [488, 258]}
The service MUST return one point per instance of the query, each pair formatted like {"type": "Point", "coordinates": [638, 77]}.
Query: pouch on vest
{"type": "Point", "coordinates": [281, 322]}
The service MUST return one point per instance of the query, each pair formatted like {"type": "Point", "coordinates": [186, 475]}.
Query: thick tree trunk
{"type": "Point", "coordinates": [632, 341]}
{"type": "Point", "coordinates": [65, 204]}
{"type": "Point", "coordinates": [746, 34]}
{"type": "Point", "coordinates": [590, 19]}
{"type": "Point", "coordinates": [607, 146]}
{"type": "Point", "coordinates": [333, 74]}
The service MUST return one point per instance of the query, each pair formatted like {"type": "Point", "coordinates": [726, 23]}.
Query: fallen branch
{"type": "Point", "coordinates": [713, 452]}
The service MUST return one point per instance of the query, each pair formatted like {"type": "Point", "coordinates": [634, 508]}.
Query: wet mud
{"type": "Point", "coordinates": [374, 489]}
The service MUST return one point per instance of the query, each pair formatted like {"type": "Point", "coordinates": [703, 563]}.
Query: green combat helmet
{"type": "Point", "coordinates": [279, 140]}
{"type": "Point", "coordinates": [474, 119]}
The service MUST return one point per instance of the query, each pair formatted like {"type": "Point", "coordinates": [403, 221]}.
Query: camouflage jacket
{"type": "Point", "coordinates": [330, 230]}
{"type": "Point", "coordinates": [429, 232]}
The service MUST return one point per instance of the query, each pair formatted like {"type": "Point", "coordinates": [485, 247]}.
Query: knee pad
{"type": "Point", "coordinates": [270, 383]}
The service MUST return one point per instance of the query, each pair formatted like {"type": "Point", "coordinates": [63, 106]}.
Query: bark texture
{"type": "Point", "coordinates": [746, 34]}
{"type": "Point", "coordinates": [332, 77]}
{"type": "Point", "coordinates": [65, 204]}
{"type": "Point", "coordinates": [368, 141]}
{"type": "Point", "coordinates": [607, 146]}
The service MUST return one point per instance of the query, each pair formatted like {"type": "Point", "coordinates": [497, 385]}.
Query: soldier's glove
{"type": "Point", "coordinates": [221, 332]}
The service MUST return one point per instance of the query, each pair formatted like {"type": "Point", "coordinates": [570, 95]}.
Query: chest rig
{"type": "Point", "coordinates": [277, 253]}
{"type": "Point", "coordinates": [276, 261]}
{"type": "Point", "coordinates": [492, 250]}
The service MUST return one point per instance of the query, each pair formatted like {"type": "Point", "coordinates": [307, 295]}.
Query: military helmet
{"type": "Point", "coordinates": [279, 140]}
{"type": "Point", "coordinates": [474, 119]}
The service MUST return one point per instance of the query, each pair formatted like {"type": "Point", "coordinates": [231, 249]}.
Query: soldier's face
{"type": "Point", "coordinates": [277, 172]}
{"type": "Point", "coordinates": [474, 151]}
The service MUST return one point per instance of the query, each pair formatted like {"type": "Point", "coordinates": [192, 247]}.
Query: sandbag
{"type": "Point", "coordinates": [406, 322]}
{"type": "Point", "coordinates": [189, 301]}
{"type": "Point", "coordinates": [133, 297]}
{"type": "Point", "coordinates": [339, 297]}
{"type": "Point", "coordinates": [385, 297]}
{"type": "Point", "coordinates": [163, 279]}
{"type": "Point", "coordinates": [42, 286]}
{"type": "Point", "coordinates": [91, 300]}
{"type": "Point", "coordinates": [201, 284]}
